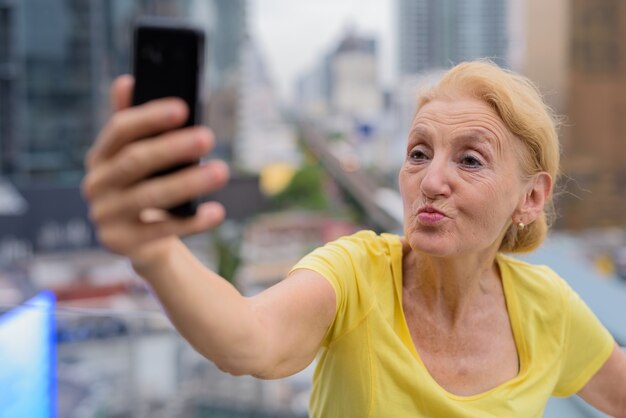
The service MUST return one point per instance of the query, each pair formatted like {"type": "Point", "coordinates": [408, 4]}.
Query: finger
{"type": "Point", "coordinates": [150, 216]}
{"type": "Point", "coordinates": [126, 237]}
{"type": "Point", "coordinates": [134, 123]}
{"type": "Point", "coordinates": [162, 192]}
{"type": "Point", "coordinates": [143, 158]}
{"type": "Point", "coordinates": [122, 92]}
{"type": "Point", "coordinates": [209, 215]}
{"type": "Point", "coordinates": [121, 98]}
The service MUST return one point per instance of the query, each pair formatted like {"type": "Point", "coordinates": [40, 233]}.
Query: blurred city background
{"type": "Point", "coordinates": [310, 102]}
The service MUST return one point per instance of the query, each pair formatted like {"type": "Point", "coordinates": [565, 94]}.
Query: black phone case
{"type": "Point", "coordinates": [168, 60]}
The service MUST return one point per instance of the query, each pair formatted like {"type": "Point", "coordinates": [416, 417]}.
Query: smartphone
{"type": "Point", "coordinates": [168, 60]}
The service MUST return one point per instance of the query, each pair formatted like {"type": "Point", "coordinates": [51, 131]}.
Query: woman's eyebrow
{"type": "Point", "coordinates": [418, 132]}
{"type": "Point", "coordinates": [482, 136]}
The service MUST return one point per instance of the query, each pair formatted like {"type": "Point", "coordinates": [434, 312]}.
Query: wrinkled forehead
{"type": "Point", "coordinates": [464, 116]}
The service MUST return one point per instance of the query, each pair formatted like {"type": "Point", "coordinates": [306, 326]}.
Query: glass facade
{"type": "Point", "coordinates": [596, 37]}
{"type": "Point", "coordinates": [439, 33]}
{"type": "Point", "coordinates": [58, 101]}
{"type": "Point", "coordinates": [68, 52]}
{"type": "Point", "coordinates": [7, 85]}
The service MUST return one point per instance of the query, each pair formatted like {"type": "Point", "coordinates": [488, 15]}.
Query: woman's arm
{"type": "Point", "coordinates": [274, 334]}
{"type": "Point", "coordinates": [607, 388]}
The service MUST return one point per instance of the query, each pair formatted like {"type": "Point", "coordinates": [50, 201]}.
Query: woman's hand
{"type": "Point", "coordinates": [127, 205]}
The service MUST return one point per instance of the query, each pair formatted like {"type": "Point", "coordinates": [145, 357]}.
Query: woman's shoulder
{"type": "Point", "coordinates": [537, 279]}
{"type": "Point", "coordinates": [369, 243]}
{"type": "Point", "coordinates": [360, 252]}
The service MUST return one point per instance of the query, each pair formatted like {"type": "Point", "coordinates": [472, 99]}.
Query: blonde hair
{"type": "Point", "coordinates": [522, 109]}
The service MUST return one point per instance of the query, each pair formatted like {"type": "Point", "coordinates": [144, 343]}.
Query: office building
{"type": "Point", "coordinates": [313, 90]}
{"type": "Point", "coordinates": [595, 133]}
{"type": "Point", "coordinates": [57, 60]}
{"type": "Point", "coordinates": [226, 40]}
{"type": "Point", "coordinates": [440, 33]}
{"type": "Point", "coordinates": [264, 138]}
{"type": "Point", "coordinates": [344, 82]}
{"type": "Point", "coordinates": [354, 85]}
{"type": "Point", "coordinates": [539, 34]}
{"type": "Point", "coordinates": [8, 74]}
{"type": "Point", "coordinates": [228, 36]}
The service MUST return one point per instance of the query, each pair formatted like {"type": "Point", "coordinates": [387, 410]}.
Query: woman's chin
{"type": "Point", "coordinates": [435, 247]}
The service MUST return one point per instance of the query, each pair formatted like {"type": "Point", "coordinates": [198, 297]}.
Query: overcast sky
{"type": "Point", "coordinates": [294, 34]}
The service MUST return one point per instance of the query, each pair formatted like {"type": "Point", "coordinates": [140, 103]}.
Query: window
{"type": "Point", "coordinates": [595, 48]}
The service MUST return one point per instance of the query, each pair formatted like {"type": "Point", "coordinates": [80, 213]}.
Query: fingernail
{"type": "Point", "coordinates": [201, 137]}
{"type": "Point", "coordinates": [222, 168]}
{"type": "Point", "coordinates": [174, 110]}
{"type": "Point", "coordinates": [216, 174]}
{"type": "Point", "coordinates": [208, 171]}
{"type": "Point", "coordinates": [214, 211]}
{"type": "Point", "coordinates": [199, 140]}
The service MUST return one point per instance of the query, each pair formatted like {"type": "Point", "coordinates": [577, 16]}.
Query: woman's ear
{"type": "Point", "coordinates": [534, 199]}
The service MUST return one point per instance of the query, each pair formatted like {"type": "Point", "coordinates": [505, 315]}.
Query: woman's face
{"type": "Point", "coordinates": [461, 181]}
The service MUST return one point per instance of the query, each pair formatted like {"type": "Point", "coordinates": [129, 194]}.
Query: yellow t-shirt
{"type": "Point", "coordinates": [368, 365]}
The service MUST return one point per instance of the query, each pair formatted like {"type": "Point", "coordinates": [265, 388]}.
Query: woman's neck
{"type": "Point", "coordinates": [450, 288]}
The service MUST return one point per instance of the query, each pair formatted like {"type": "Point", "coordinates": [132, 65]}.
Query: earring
{"type": "Point", "coordinates": [521, 226]}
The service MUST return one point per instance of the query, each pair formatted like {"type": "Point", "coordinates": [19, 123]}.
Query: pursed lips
{"type": "Point", "coordinates": [428, 215]}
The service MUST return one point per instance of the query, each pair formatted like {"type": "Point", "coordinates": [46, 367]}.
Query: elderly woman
{"type": "Point", "coordinates": [437, 323]}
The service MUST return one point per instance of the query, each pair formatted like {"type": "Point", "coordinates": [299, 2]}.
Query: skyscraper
{"type": "Point", "coordinates": [441, 33]}
{"type": "Point", "coordinates": [228, 39]}
{"type": "Point", "coordinates": [539, 33]}
{"type": "Point", "coordinates": [595, 135]}
{"type": "Point", "coordinates": [355, 88]}
{"type": "Point", "coordinates": [56, 67]}
{"type": "Point", "coordinates": [8, 75]}
{"type": "Point", "coordinates": [57, 60]}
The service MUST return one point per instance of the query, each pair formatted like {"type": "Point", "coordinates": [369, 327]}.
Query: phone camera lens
{"type": "Point", "coordinates": [153, 55]}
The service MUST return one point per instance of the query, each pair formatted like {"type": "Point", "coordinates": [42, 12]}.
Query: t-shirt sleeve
{"type": "Point", "coordinates": [587, 345]}
{"type": "Point", "coordinates": [342, 263]}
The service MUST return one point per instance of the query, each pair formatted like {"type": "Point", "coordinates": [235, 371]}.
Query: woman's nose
{"type": "Point", "coordinates": [436, 180]}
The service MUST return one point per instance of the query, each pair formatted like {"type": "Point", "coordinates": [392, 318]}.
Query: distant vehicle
{"type": "Point", "coordinates": [620, 262]}
{"type": "Point", "coordinates": [90, 328]}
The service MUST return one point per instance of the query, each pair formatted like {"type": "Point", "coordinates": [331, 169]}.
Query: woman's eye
{"type": "Point", "coordinates": [471, 161]}
{"type": "Point", "coordinates": [417, 155]}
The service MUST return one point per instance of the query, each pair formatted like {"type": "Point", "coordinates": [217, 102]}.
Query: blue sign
{"type": "Point", "coordinates": [28, 359]}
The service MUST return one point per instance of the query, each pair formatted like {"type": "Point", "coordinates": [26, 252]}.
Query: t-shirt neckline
{"type": "Point", "coordinates": [512, 309]}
